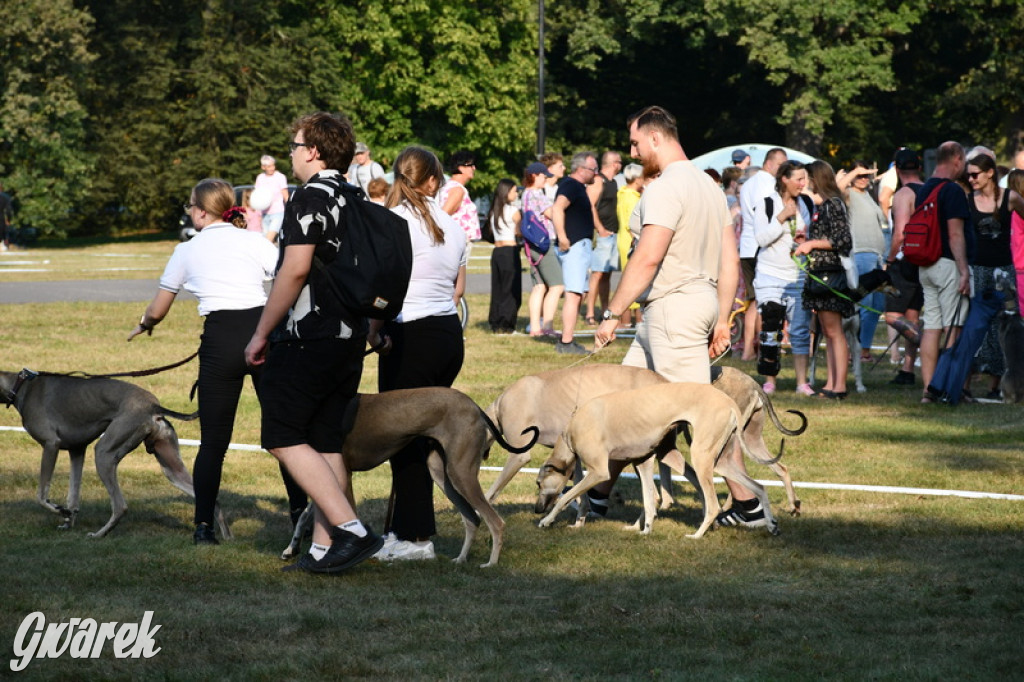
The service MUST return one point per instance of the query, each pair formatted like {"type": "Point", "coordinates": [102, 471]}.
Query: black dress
{"type": "Point", "coordinates": [830, 222]}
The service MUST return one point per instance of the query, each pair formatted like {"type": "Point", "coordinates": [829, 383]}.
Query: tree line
{"type": "Point", "coordinates": [112, 110]}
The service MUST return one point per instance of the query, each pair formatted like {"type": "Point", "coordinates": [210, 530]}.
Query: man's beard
{"type": "Point", "coordinates": [651, 168]}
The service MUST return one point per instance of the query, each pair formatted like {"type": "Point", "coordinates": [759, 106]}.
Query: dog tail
{"type": "Point", "coordinates": [738, 434]}
{"type": "Point", "coordinates": [179, 415]}
{"type": "Point", "coordinates": [767, 402]}
{"type": "Point", "coordinates": [503, 443]}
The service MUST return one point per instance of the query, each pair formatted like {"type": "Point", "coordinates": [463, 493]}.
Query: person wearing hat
{"type": "Point", "coordinates": [545, 270]}
{"type": "Point", "coordinates": [740, 159]}
{"type": "Point", "coordinates": [363, 169]}
{"type": "Point", "coordinates": [903, 311]}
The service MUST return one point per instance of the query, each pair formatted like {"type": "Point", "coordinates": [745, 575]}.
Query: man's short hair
{"type": "Point", "coordinates": [579, 159]}
{"type": "Point", "coordinates": [609, 154]}
{"type": "Point", "coordinates": [331, 135]}
{"type": "Point", "coordinates": [632, 171]}
{"type": "Point", "coordinates": [267, 160]}
{"type": "Point", "coordinates": [731, 175]}
{"type": "Point", "coordinates": [949, 151]}
{"type": "Point", "coordinates": [655, 118]}
{"type": "Point", "coordinates": [551, 158]}
{"type": "Point", "coordinates": [772, 153]}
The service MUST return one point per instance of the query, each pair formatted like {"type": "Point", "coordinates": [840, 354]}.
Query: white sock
{"type": "Point", "coordinates": [318, 551]}
{"type": "Point", "coordinates": [355, 527]}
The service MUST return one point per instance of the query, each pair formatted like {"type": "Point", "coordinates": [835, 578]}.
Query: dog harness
{"type": "Point", "coordinates": [24, 375]}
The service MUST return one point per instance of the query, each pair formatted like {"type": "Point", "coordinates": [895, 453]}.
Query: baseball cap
{"type": "Point", "coordinates": [738, 155]}
{"type": "Point", "coordinates": [907, 159]}
{"type": "Point", "coordinates": [361, 147]}
{"type": "Point", "coordinates": [538, 168]}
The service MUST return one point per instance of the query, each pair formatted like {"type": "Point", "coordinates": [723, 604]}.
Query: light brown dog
{"type": "Point", "coordinates": [598, 432]}
{"type": "Point", "coordinates": [460, 434]}
{"type": "Point", "coordinates": [549, 399]}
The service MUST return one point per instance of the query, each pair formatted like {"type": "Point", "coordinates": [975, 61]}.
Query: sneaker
{"type": "Point", "coordinates": [903, 378]}
{"type": "Point", "coordinates": [407, 550]}
{"type": "Point", "coordinates": [806, 389]}
{"type": "Point", "coordinates": [571, 348]}
{"type": "Point", "coordinates": [769, 387]}
{"type": "Point", "coordinates": [389, 539]}
{"type": "Point", "coordinates": [347, 550]}
{"type": "Point", "coordinates": [204, 535]}
{"type": "Point", "coordinates": [738, 517]}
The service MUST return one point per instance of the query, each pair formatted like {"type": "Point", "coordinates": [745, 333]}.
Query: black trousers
{"type": "Point", "coordinates": [506, 288]}
{"type": "Point", "coordinates": [426, 352]}
{"type": "Point", "coordinates": [222, 372]}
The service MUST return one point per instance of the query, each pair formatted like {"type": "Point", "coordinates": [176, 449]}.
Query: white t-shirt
{"type": "Point", "coordinates": [435, 267]}
{"type": "Point", "coordinates": [775, 239]}
{"type": "Point", "coordinates": [505, 230]}
{"type": "Point", "coordinates": [223, 266]}
{"type": "Point", "coordinates": [361, 175]}
{"type": "Point", "coordinates": [752, 194]}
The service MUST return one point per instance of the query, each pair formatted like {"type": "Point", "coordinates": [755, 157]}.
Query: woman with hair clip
{"type": "Point", "coordinates": [506, 282]}
{"type": "Point", "coordinates": [423, 346]}
{"type": "Point", "coordinates": [828, 239]}
{"type": "Point", "coordinates": [224, 266]}
{"type": "Point", "coordinates": [779, 227]}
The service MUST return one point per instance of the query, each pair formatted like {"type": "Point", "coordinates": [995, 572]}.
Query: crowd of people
{"type": "Point", "coordinates": [785, 239]}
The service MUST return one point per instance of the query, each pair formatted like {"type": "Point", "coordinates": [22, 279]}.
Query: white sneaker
{"type": "Point", "coordinates": [389, 540]}
{"type": "Point", "coordinates": [406, 550]}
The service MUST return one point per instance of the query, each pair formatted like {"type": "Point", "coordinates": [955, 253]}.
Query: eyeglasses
{"type": "Point", "coordinates": [592, 170]}
{"type": "Point", "coordinates": [974, 176]}
{"type": "Point", "coordinates": [188, 207]}
{"type": "Point", "coordinates": [292, 146]}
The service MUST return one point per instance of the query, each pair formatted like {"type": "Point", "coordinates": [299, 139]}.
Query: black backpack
{"type": "Point", "coordinates": [370, 276]}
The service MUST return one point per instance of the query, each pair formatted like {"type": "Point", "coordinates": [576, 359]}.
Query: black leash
{"type": "Point", "coordinates": [137, 373]}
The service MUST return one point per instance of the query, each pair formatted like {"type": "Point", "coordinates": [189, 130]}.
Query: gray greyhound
{"type": "Point", "coordinates": [381, 424]}
{"type": "Point", "coordinates": [68, 413]}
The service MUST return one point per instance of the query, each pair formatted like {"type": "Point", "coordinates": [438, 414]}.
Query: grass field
{"type": "Point", "coordinates": [863, 585]}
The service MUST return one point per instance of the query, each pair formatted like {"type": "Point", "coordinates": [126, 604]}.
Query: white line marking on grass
{"type": "Point", "coordinates": [885, 489]}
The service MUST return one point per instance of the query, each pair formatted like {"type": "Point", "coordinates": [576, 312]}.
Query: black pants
{"type": "Point", "coordinates": [426, 352]}
{"type": "Point", "coordinates": [506, 288]}
{"type": "Point", "coordinates": [222, 372]}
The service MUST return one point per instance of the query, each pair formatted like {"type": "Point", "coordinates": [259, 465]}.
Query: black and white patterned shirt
{"type": "Point", "coordinates": [314, 216]}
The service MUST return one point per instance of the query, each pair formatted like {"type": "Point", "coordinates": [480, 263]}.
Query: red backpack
{"type": "Point", "coordinates": [922, 235]}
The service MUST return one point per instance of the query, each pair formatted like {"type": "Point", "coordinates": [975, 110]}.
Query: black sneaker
{"type": "Point", "coordinates": [903, 378]}
{"type": "Point", "coordinates": [347, 550]}
{"type": "Point", "coordinates": [738, 517]}
{"type": "Point", "coordinates": [203, 535]}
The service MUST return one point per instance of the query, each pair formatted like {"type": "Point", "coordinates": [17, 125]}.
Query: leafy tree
{"type": "Point", "coordinates": [43, 154]}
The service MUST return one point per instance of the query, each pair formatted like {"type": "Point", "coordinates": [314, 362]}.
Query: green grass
{"type": "Point", "coordinates": [861, 586]}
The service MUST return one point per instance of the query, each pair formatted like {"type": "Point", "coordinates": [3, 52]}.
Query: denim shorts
{"type": "Point", "coordinates": [576, 267]}
{"type": "Point", "coordinates": [605, 256]}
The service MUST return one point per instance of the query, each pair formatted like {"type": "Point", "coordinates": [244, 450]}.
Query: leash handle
{"type": "Point", "coordinates": [840, 294]}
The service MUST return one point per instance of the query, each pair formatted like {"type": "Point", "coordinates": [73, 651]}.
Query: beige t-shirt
{"type": "Point", "coordinates": [688, 202]}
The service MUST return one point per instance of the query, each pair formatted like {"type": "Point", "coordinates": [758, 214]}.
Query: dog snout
{"type": "Point", "coordinates": [545, 501]}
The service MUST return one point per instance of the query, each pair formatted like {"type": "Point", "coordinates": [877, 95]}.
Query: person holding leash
{"type": "Point", "coordinates": [225, 267]}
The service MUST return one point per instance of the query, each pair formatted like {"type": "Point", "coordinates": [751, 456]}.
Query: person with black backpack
{"type": "Point", "coordinates": [311, 349]}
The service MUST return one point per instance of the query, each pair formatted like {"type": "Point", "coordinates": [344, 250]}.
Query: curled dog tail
{"type": "Point", "coordinates": [503, 443]}
{"type": "Point", "coordinates": [767, 402]}
{"type": "Point", "coordinates": [178, 415]}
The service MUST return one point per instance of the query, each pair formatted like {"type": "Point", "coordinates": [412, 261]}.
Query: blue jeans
{"type": "Point", "coordinates": [866, 262]}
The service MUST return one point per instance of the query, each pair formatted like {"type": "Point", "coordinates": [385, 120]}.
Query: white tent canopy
{"type": "Point", "coordinates": [722, 157]}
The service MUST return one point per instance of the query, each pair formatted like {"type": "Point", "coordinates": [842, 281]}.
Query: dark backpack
{"type": "Point", "coordinates": [922, 236]}
{"type": "Point", "coordinates": [370, 276]}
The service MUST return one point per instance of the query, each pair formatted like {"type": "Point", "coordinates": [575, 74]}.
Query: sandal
{"type": "Point", "coordinates": [590, 320]}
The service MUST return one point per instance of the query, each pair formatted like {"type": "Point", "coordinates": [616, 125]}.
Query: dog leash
{"type": "Point", "coordinates": [838, 293]}
{"type": "Point", "coordinates": [136, 373]}
{"type": "Point", "coordinates": [23, 376]}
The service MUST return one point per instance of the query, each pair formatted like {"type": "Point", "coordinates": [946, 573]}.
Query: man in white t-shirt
{"type": "Point", "coordinates": [275, 181]}
{"type": "Point", "coordinates": [363, 168]}
{"type": "Point", "coordinates": [752, 196]}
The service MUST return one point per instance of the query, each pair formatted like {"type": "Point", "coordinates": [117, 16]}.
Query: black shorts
{"type": "Point", "coordinates": [748, 267]}
{"type": "Point", "coordinates": [905, 278]}
{"type": "Point", "coordinates": [304, 390]}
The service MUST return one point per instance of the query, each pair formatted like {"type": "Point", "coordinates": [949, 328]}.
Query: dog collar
{"type": "Point", "coordinates": [23, 376]}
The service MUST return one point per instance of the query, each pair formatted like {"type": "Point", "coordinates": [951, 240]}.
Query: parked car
{"type": "Point", "coordinates": [187, 230]}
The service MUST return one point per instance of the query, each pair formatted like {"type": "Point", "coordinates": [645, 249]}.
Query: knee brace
{"type": "Point", "coordinates": [773, 318]}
